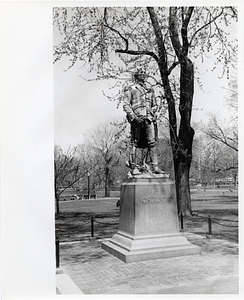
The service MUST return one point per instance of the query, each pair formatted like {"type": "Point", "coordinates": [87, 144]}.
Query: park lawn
{"type": "Point", "coordinates": [74, 223]}
{"type": "Point", "coordinates": [222, 207]}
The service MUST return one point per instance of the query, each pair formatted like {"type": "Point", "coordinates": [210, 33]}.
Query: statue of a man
{"type": "Point", "coordinates": [140, 106]}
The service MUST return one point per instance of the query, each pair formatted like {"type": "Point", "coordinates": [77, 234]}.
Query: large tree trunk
{"type": "Point", "coordinates": [182, 164]}
{"type": "Point", "coordinates": [183, 150]}
{"type": "Point", "coordinates": [182, 186]}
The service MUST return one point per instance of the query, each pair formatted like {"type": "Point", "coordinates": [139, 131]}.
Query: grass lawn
{"type": "Point", "coordinates": [74, 223]}
{"type": "Point", "coordinates": [222, 206]}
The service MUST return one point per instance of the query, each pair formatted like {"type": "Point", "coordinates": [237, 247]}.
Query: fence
{"type": "Point", "coordinates": [92, 232]}
{"type": "Point", "coordinates": [208, 221]}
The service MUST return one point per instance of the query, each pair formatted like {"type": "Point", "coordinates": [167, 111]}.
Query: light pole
{"type": "Point", "coordinates": [88, 184]}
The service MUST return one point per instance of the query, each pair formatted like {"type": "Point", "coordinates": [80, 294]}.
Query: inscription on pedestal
{"type": "Point", "coordinates": [152, 200]}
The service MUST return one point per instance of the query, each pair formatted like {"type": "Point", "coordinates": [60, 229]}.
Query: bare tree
{"type": "Point", "coordinates": [226, 134]}
{"type": "Point", "coordinates": [68, 170]}
{"type": "Point", "coordinates": [166, 40]}
{"type": "Point", "coordinates": [105, 140]}
{"type": "Point", "coordinates": [213, 161]}
{"type": "Point", "coordinates": [225, 130]}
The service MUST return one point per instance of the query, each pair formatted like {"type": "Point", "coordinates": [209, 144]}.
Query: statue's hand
{"type": "Point", "coordinates": [138, 119]}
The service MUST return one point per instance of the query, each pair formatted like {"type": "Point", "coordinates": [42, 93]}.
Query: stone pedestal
{"type": "Point", "coordinates": [148, 226]}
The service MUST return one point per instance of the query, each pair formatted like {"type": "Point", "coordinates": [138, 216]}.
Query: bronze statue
{"type": "Point", "coordinates": [140, 106]}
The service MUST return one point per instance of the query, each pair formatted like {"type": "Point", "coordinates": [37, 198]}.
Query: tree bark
{"type": "Point", "coordinates": [183, 154]}
{"type": "Point", "coordinates": [182, 186]}
{"type": "Point", "coordinates": [182, 163]}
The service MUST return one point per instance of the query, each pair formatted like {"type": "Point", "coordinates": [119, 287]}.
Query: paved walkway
{"type": "Point", "coordinates": [94, 271]}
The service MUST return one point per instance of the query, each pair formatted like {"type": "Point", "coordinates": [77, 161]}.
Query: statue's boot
{"type": "Point", "coordinates": [135, 171]}
{"type": "Point", "coordinates": [156, 170]}
{"type": "Point", "coordinates": [133, 166]}
{"type": "Point", "coordinates": [153, 155]}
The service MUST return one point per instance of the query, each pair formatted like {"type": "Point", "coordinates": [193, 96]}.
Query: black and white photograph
{"type": "Point", "coordinates": [120, 142]}
{"type": "Point", "coordinates": [146, 149]}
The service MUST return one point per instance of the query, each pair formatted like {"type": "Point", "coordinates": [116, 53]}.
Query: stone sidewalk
{"type": "Point", "coordinates": [94, 271]}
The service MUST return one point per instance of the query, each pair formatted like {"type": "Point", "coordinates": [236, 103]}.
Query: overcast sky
{"type": "Point", "coordinates": [79, 104]}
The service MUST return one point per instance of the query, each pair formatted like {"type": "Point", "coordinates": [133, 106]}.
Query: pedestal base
{"type": "Point", "coordinates": [148, 227]}
{"type": "Point", "coordinates": [130, 250]}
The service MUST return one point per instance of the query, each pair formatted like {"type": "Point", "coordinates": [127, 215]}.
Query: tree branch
{"type": "Point", "coordinates": [114, 30]}
{"type": "Point", "coordinates": [184, 30]}
{"type": "Point", "coordinates": [173, 66]}
{"type": "Point", "coordinates": [126, 50]}
{"type": "Point", "coordinates": [139, 52]}
{"type": "Point", "coordinates": [174, 36]}
{"type": "Point", "coordinates": [217, 137]}
{"type": "Point", "coordinates": [233, 11]}
{"type": "Point", "coordinates": [206, 25]}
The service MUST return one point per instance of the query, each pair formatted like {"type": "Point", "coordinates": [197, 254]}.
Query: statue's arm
{"type": "Point", "coordinates": [151, 111]}
{"type": "Point", "coordinates": [127, 106]}
{"type": "Point", "coordinates": [154, 103]}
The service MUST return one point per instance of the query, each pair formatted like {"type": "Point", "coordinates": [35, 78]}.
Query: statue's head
{"type": "Point", "coordinates": [140, 75]}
